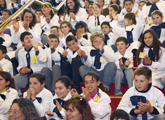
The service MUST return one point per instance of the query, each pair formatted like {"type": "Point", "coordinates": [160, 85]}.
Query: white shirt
{"type": "Point", "coordinates": [83, 41]}
{"type": "Point", "coordinates": [7, 41]}
{"type": "Point", "coordinates": [63, 40]}
{"type": "Point", "coordinates": [6, 65]}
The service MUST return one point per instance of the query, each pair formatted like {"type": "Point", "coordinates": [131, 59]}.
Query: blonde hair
{"type": "Point", "coordinates": [96, 34]}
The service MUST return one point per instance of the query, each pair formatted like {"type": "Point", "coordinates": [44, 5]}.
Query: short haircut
{"type": "Point", "coordinates": [105, 23]}
{"type": "Point", "coordinates": [119, 114]}
{"type": "Point", "coordinates": [128, 0]}
{"type": "Point", "coordinates": [122, 39]}
{"type": "Point", "coordinates": [24, 34]}
{"type": "Point", "coordinates": [65, 80]}
{"type": "Point", "coordinates": [81, 24]}
{"type": "Point", "coordinates": [157, 12]}
{"type": "Point", "coordinates": [66, 22]}
{"type": "Point", "coordinates": [142, 1]}
{"type": "Point", "coordinates": [53, 35]}
{"type": "Point", "coordinates": [130, 16]}
{"type": "Point", "coordinates": [8, 11]}
{"type": "Point", "coordinates": [70, 38]}
{"type": "Point", "coordinates": [54, 27]}
{"type": "Point", "coordinates": [3, 49]}
{"type": "Point", "coordinates": [96, 34]}
{"type": "Point", "coordinates": [39, 77]}
{"type": "Point", "coordinates": [144, 71]}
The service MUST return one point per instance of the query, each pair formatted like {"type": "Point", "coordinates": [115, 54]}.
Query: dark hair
{"type": "Point", "coordinates": [97, 78]}
{"type": "Point", "coordinates": [130, 16]}
{"type": "Point", "coordinates": [54, 27]}
{"type": "Point", "coordinates": [24, 34]}
{"type": "Point", "coordinates": [81, 24]}
{"type": "Point", "coordinates": [105, 23]}
{"type": "Point", "coordinates": [76, 7]}
{"type": "Point", "coordinates": [144, 71]}
{"type": "Point", "coordinates": [142, 1]}
{"type": "Point", "coordinates": [48, 5]}
{"type": "Point", "coordinates": [40, 77]}
{"type": "Point", "coordinates": [39, 10]}
{"type": "Point", "coordinates": [98, 5]}
{"type": "Point", "coordinates": [53, 35]}
{"type": "Point", "coordinates": [119, 114]}
{"type": "Point", "coordinates": [70, 38]}
{"type": "Point", "coordinates": [81, 104]}
{"type": "Point", "coordinates": [5, 5]}
{"type": "Point", "coordinates": [157, 12]}
{"type": "Point", "coordinates": [66, 22]}
{"type": "Point", "coordinates": [156, 47]}
{"type": "Point", "coordinates": [117, 2]}
{"type": "Point", "coordinates": [102, 0]}
{"type": "Point", "coordinates": [116, 7]}
{"type": "Point", "coordinates": [27, 108]}
{"type": "Point", "coordinates": [3, 49]}
{"type": "Point", "coordinates": [8, 77]}
{"type": "Point", "coordinates": [128, 0]}
{"type": "Point", "coordinates": [34, 21]}
{"type": "Point", "coordinates": [65, 80]}
{"type": "Point", "coordinates": [122, 39]}
{"type": "Point", "coordinates": [8, 11]}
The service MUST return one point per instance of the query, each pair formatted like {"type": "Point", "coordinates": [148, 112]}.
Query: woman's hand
{"type": "Point", "coordinates": [25, 24]}
{"type": "Point", "coordinates": [15, 25]}
{"type": "Point", "coordinates": [72, 15]}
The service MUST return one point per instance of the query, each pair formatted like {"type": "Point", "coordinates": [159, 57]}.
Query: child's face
{"type": "Point", "coordinates": [5, 15]}
{"type": "Point", "coordinates": [54, 42]}
{"type": "Point", "coordinates": [81, 30]}
{"type": "Point", "coordinates": [36, 85]}
{"type": "Point", "coordinates": [121, 46]}
{"type": "Point", "coordinates": [127, 22]}
{"type": "Point", "coordinates": [3, 83]}
{"type": "Point", "coordinates": [65, 29]}
{"type": "Point", "coordinates": [91, 84]}
{"type": "Point", "coordinates": [97, 41]}
{"type": "Point", "coordinates": [90, 10]}
{"type": "Point", "coordinates": [148, 39]}
{"type": "Point", "coordinates": [111, 10]}
{"type": "Point", "coordinates": [72, 45]}
{"type": "Point", "coordinates": [141, 82]}
{"type": "Point", "coordinates": [28, 17]}
{"type": "Point", "coordinates": [101, 2]}
{"type": "Point", "coordinates": [71, 4]}
{"type": "Point", "coordinates": [46, 10]}
{"type": "Point", "coordinates": [86, 4]}
{"type": "Point", "coordinates": [61, 90]}
{"type": "Point", "coordinates": [96, 10]}
{"type": "Point", "coordinates": [27, 41]}
{"type": "Point", "coordinates": [38, 13]}
{"type": "Point", "coordinates": [114, 1]}
{"type": "Point", "coordinates": [2, 2]}
{"type": "Point", "coordinates": [54, 30]}
{"type": "Point", "coordinates": [157, 19]}
{"type": "Point", "coordinates": [105, 29]}
{"type": "Point", "coordinates": [128, 5]}
{"type": "Point", "coordinates": [2, 55]}
{"type": "Point", "coordinates": [141, 4]}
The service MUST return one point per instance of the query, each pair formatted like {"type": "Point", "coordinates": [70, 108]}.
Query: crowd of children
{"type": "Point", "coordinates": [92, 42]}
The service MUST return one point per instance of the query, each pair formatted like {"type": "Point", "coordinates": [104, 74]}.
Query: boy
{"type": "Point", "coordinates": [30, 59]}
{"type": "Point", "coordinates": [5, 65]}
{"type": "Point", "coordinates": [110, 38]}
{"type": "Point", "coordinates": [143, 101]}
{"type": "Point", "coordinates": [124, 63]}
{"type": "Point", "coordinates": [128, 8]}
{"type": "Point", "coordinates": [54, 29]}
{"type": "Point", "coordinates": [99, 58]}
{"type": "Point", "coordinates": [52, 69]}
{"type": "Point", "coordinates": [72, 61]}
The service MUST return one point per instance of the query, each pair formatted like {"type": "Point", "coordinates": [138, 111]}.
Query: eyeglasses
{"type": "Point", "coordinates": [14, 111]}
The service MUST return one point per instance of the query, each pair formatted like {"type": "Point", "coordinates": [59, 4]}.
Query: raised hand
{"type": "Point", "coordinates": [35, 45]}
{"type": "Point", "coordinates": [15, 25]}
{"type": "Point", "coordinates": [65, 53]}
{"type": "Point", "coordinates": [74, 92]}
{"type": "Point", "coordinates": [25, 24]}
{"type": "Point", "coordinates": [72, 15]}
{"type": "Point", "coordinates": [86, 92]}
{"type": "Point", "coordinates": [127, 62]}
{"type": "Point", "coordinates": [59, 107]}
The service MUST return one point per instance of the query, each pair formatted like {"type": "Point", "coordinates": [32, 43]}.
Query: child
{"type": "Point", "coordinates": [143, 101]}
{"type": "Point", "coordinates": [110, 38]}
{"type": "Point", "coordinates": [152, 6]}
{"type": "Point", "coordinates": [153, 58]}
{"type": "Point", "coordinates": [52, 69]}
{"type": "Point", "coordinates": [128, 8]}
{"type": "Point", "coordinates": [14, 6]}
{"type": "Point", "coordinates": [99, 58]}
{"type": "Point", "coordinates": [65, 30]}
{"type": "Point", "coordinates": [132, 30]}
{"type": "Point", "coordinates": [119, 115]}
{"type": "Point", "coordinates": [115, 2]}
{"type": "Point", "coordinates": [140, 6]}
{"type": "Point", "coordinates": [104, 8]}
{"type": "Point", "coordinates": [5, 65]}
{"type": "Point", "coordinates": [54, 29]}
{"type": "Point", "coordinates": [124, 63]}
{"type": "Point", "coordinates": [95, 21]}
{"type": "Point", "coordinates": [62, 94]}
{"type": "Point", "coordinates": [31, 57]}
{"type": "Point", "coordinates": [96, 95]}
{"type": "Point", "coordinates": [3, 6]}
{"type": "Point", "coordinates": [7, 93]}
{"type": "Point", "coordinates": [83, 34]}
{"type": "Point", "coordinates": [72, 61]}
{"type": "Point", "coordinates": [38, 94]}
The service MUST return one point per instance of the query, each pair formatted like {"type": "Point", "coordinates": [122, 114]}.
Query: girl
{"type": "Point", "coordinates": [77, 108]}
{"type": "Point", "coordinates": [38, 94]}
{"type": "Point", "coordinates": [115, 9]}
{"type": "Point", "coordinates": [64, 32]}
{"type": "Point", "coordinates": [154, 56]}
{"type": "Point", "coordinates": [117, 2]}
{"type": "Point", "coordinates": [132, 30]}
{"type": "Point", "coordinates": [87, 3]}
{"type": "Point", "coordinates": [96, 95]}
{"type": "Point", "coordinates": [48, 19]}
{"type": "Point", "coordinates": [62, 94]}
{"type": "Point", "coordinates": [7, 93]}
{"type": "Point", "coordinates": [95, 21]}
{"type": "Point", "coordinates": [3, 6]}
{"type": "Point", "coordinates": [83, 34]}
{"type": "Point", "coordinates": [74, 12]}
{"type": "Point", "coordinates": [28, 23]}
{"type": "Point", "coordinates": [90, 11]}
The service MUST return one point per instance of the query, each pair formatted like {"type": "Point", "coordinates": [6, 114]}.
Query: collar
{"type": "Point", "coordinates": [28, 50]}
{"type": "Point", "coordinates": [1, 91]}
{"type": "Point", "coordinates": [145, 91]}
{"type": "Point", "coordinates": [92, 95]}
{"type": "Point", "coordinates": [40, 94]}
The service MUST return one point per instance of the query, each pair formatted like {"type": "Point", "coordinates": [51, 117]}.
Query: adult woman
{"type": "Point", "coordinates": [77, 108]}
{"type": "Point", "coordinates": [28, 23]}
{"type": "Point", "coordinates": [74, 12]}
{"type": "Point", "coordinates": [23, 109]}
